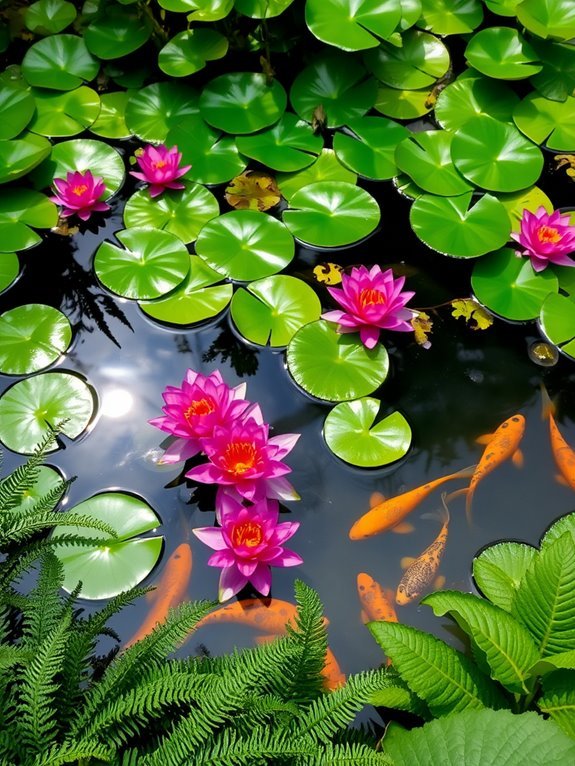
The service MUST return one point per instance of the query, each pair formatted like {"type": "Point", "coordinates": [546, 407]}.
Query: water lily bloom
{"type": "Point", "coordinates": [546, 238]}
{"type": "Point", "coordinates": [372, 301]}
{"type": "Point", "coordinates": [79, 193]}
{"type": "Point", "coordinates": [192, 412]}
{"type": "Point", "coordinates": [160, 168]}
{"type": "Point", "coordinates": [248, 542]}
{"type": "Point", "coordinates": [246, 463]}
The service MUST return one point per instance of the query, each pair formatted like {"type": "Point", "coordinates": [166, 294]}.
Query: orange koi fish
{"type": "Point", "coordinates": [377, 603]}
{"type": "Point", "coordinates": [563, 455]}
{"type": "Point", "coordinates": [169, 591]}
{"type": "Point", "coordinates": [391, 512]}
{"type": "Point", "coordinates": [270, 617]}
{"type": "Point", "coordinates": [332, 673]}
{"type": "Point", "coordinates": [421, 571]}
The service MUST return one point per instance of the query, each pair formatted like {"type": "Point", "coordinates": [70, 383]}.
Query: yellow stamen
{"type": "Point", "coordinates": [159, 164]}
{"type": "Point", "coordinates": [548, 234]}
{"type": "Point", "coordinates": [79, 190]}
{"type": "Point", "coordinates": [240, 457]}
{"type": "Point", "coordinates": [200, 407]}
{"type": "Point", "coordinates": [371, 297]}
{"type": "Point", "coordinates": [249, 534]}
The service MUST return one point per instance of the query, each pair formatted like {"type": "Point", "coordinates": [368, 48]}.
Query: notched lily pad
{"type": "Point", "coordinates": [32, 337]}
{"type": "Point", "coordinates": [189, 51]}
{"type": "Point", "coordinates": [20, 210]}
{"type": "Point", "coordinates": [421, 60]}
{"type": "Point", "coordinates": [368, 146]}
{"type": "Point", "coordinates": [64, 114]}
{"type": "Point", "coordinates": [547, 121]}
{"type": "Point", "coordinates": [17, 107]}
{"type": "Point", "coordinates": [327, 167]}
{"type": "Point", "coordinates": [59, 62]}
{"type": "Point", "coordinates": [158, 108]}
{"type": "Point", "coordinates": [19, 156]}
{"type": "Point", "coordinates": [502, 52]}
{"type": "Point", "coordinates": [557, 322]}
{"type": "Point", "coordinates": [288, 146]}
{"type": "Point", "coordinates": [426, 158]}
{"type": "Point", "coordinates": [9, 270]}
{"type": "Point", "coordinates": [352, 25]}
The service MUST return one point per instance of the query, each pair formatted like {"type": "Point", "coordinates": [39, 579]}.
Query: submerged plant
{"type": "Point", "coordinates": [546, 238]}
{"type": "Point", "coordinates": [160, 167]}
{"type": "Point", "coordinates": [79, 194]}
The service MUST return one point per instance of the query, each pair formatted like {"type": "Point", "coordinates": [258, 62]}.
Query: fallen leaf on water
{"type": "Point", "coordinates": [328, 273]}
{"type": "Point", "coordinates": [253, 190]}
{"type": "Point", "coordinates": [475, 315]}
{"type": "Point", "coordinates": [422, 326]}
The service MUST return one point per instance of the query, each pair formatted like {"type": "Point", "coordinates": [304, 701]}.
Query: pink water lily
{"type": "Point", "coordinates": [79, 194]}
{"type": "Point", "coordinates": [192, 412]}
{"type": "Point", "coordinates": [248, 542]}
{"type": "Point", "coordinates": [546, 238]}
{"type": "Point", "coordinates": [246, 463]}
{"type": "Point", "coordinates": [160, 168]}
{"type": "Point", "coordinates": [372, 301]}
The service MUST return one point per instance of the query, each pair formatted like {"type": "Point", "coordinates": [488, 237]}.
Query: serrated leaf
{"type": "Point", "coordinates": [499, 569]}
{"type": "Point", "coordinates": [558, 699]}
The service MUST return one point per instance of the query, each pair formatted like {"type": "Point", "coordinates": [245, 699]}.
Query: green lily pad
{"type": "Point", "coordinates": [352, 25]}
{"type": "Point", "coordinates": [115, 565]}
{"type": "Point", "coordinates": [59, 62]}
{"type": "Point", "coordinates": [369, 146]}
{"type": "Point", "coordinates": [9, 270]}
{"type": "Point", "coordinates": [527, 199]}
{"type": "Point", "coordinates": [350, 434]}
{"type": "Point", "coordinates": [156, 109]}
{"type": "Point", "coordinates": [410, 13]}
{"type": "Point", "coordinates": [32, 337]}
{"type": "Point", "coordinates": [19, 156]}
{"type": "Point", "coordinates": [406, 187]}
{"type": "Point", "coordinates": [182, 213]}
{"type": "Point", "coordinates": [151, 263]}
{"type": "Point", "coordinates": [354, 371]}
{"type": "Point", "coordinates": [543, 120]}
{"type": "Point", "coordinates": [30, 407]}
{"type": "Point", "coordinates": [557, 78]}
{"type": "Point", "coordinates": [190, 50]}
{"type": "Point", "coordinates": [418, 63]}
{"type": "Point", "coordinates": [245, 245]}
{"type": "Point", "coordinates": [331, 214]}
{"type": "Point", "coordinates": [502, 53]}
{"type": "Point", "coordinates": [338, 84]}
{"type": "Point", "coordinates": [495, 156]}
{"type": "Point", "coordinates": [64, 114]}
{"type": "Point", "coordinates": [403, 104]}
{"type": "Point", "coordinates": [426, 158]}
{"type": "Point", "coordinates": [503, 7]}
{"type": "Point", "coordinates": [117, 32]}
{"type": "Point", "coordinates": [450, 17]}
{"type": "Point", "coordinates": [20, 209]}
{"type": "Point", "coordinates": [242, 102]}
{"type": "Point", "coordinates": [553, 19]}
{"type": "Point", "coordinates": [272, 310]}
{"type": "Point", "coordinates": [111, 122]}
{"type": "Point", "coordinates": [16, 107]}
{"type": "Point", "coordinates": [288, 146]}
{"type": "Point", "coordinates": [557, 322]}
{"type": "Point", "coordinates": [327, 167]}
{"type": "Point", "coordinates": [471, 96]}
{"type": "Point", "coordinates": [262, 9]}
{"type": "Point", "coordinates": [509, 287]}
{"type": "Point", "coordinates": [48, 17]}
{"type": "Point", "coordinates": [566, 275]}
{"type": "Point", "coordinates": [452, 226]}
{"type": "Point", "coordinates": [201, 296]}
{"type": "Point", "coordinates": [48, 479]}
{"type": "Point", "coordinates": [200, 10]}
{"type": "Point", "coordinates": [83, 154]}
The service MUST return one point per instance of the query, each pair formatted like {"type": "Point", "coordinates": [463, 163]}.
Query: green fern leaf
{"type": "Point", "coordinates": [59, 755]}
{"type": "Point", "coordinates": [346, 755]}
{"type": "Point", "coordinates": [25, 476]}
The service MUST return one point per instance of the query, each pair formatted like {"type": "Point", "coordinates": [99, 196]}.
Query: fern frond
{"type": "Point", "coordinates": [20, 527]}
{"type": "Point", "coordinates": [11, 656]}
{"type": "Point", "coordinates": [59, 755]}
{"type": "Point", "coordinates": [25, 476]}
{"type": "Point", "coordinates": [262, 747]}
{"type": "Point", "coordinates": [346, 755]}
{"type": "Point", "coordinates": [265, 710]}
{"type": "Point", "coordinates": [43, 608]}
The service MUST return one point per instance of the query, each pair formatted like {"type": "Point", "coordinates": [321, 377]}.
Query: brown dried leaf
{"type": "Point", "coordinates": [422, 326]}
{"type": "Point", "coordinates": [253, 190]}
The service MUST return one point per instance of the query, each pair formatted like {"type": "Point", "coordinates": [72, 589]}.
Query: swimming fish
{"type": "Point", "coordinates": [391, 512]}
{"type": "Point", "coordinates": [271, 617]}
{"type": "Point", "coordinates": [421, 573]}
{"type": "Point", "coordinates": [563, 454]}
{"type": "Point", "coordinates": [332, 673]}
{"type": "Point", "coordinates": [169, 591]}
{"type": "Point", "coordinates": [376, 602]}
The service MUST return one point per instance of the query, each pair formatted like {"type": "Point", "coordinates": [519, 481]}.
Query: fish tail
{"type": "Point", "coordinates": [442, 514]}
{"type": "Point", "coordinates": [468, 501]}
{"type": "Point", "coordinates": [458, 493]}
{"type": "Point", "coordinates": [444, 502]}
{"type": "Point", "coordinates": [548, 408]}
{"type": "Point", "coordinates": [465, 473]}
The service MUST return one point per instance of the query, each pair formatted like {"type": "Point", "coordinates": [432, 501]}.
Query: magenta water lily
{"type": "Point", "coordinates": [79, 194]}
{"type": "Point", "coordinates": [160, 167]}
{"type": "Point", "coordinates": [546, 238]}
{"type": "Point", "coordinates": [372, 301]}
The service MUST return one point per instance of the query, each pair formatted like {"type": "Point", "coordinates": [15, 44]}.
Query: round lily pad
{"type": "Point", "coordinates": [502, 53]}
{"type": "Point", "coordinates": [368, 146]}
{"type": "Point", "coordinates": [288, 146]}
{"type": "Point", "coordinates": [59, 62]}
{"type": "Point", "coordinates": [503, 7]}
{"type": "Point", "coordinates": [495, 156]}
{"type": "Point", "coordinates": [508, 286]}
{"type": "Point", "coordinates": [426, 158]}
{"type": "Point", "coordinates": [350, 434]}
{"type": "Point", "coordinates": [64, 114]}
{"type": "Point", "coordinates": [338, 84]}
{"type": "Point", "coordinates": [352, 25]}
{"type": "Point", "coordinates": [151, 263]}
{"type": "Point", "coordinates": [48, 17]}
{"type": "Point", "coordinates": [262, 9]}
{"type": "Point", "coordinates": [19, 156]}
{"type": "Point", "coordinates": [450, 17]}
{"type": "Point", "coordinates": [112, 565]}
{"type": "Point", "coordinates": [354, 370]}
{"type": "Point", "coordinates": [331, 214]}
{"type": "Point", "coordinates": [16, 107]}
{"type": "Point", "coordinates": [527, 199]}
{"type": "Point", "coordinates": [454, 226]}
{"type": "Point", "coordinates": [327, 167]}
{"type": "Point", "coordinates": [544, 120]}
{"type": "Point", "coordinates": [557, 322]}
{"type": "Point", "coordinates": [121, 30]}
{"type": "Point", "coordinates": [30, 407]}
{"type": "Point", "coordinates": [404, 104]}
{"type": "Point", "coordinates": [31, 338]}
{"type": "Point", "coordinates": [200, 10]}
{"type": "Point", "coordinates": [110, 122]}
{"type": "Point", "coordinates": [557, 78]}
{"type": "Point", "coordinates": [154, 110]}
{"type": "Point", "coordinates": [245, 245]}
{"type": "Point", "coordinates": [9, 270]}
{"type": "Point", "coordinates": [48, 480]}
{"type": "Point", "coordinates": [20, 209]}
{"type": "Point", "coordinates": [553, 19]}
{"type": "Point", "coordinates": [201, 296]}
{"type": "Point", "coordinates": [271, 310]}
{"type": "Point", "coordinates": [242, 102]}
{"type": "Point", "coordinates": [182, 213]}
{"type": "Point", "coordinates": [473, 95]}
{"type": "Point", "coordinates": [190, 50]}
{"type": "Point", "coordinates": [418, 63]}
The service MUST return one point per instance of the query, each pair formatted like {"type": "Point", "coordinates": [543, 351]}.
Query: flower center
{"type": "Point", "coordinates": [79, 190]}
{"type": "Point", "coordinates": [239, 457]}
{"type": "Point", "coordinates": [548, 234]}
{"type": "Point", "coordinates": [159, 164]}
{"type": "Point", "coordinates": [249, 534]}
{"type": "Point", "coordinates": [371, 297]}
{"type": "Point", "coordinates": [200, 407]}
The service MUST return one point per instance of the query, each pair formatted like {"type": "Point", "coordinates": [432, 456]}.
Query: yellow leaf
{"type": "Point", "coordinates": [475, 315]}
{"type": "Point", "coordinates": [328, 273]}
{"type": "Point", "coordinates": [422, 326]}
{"type": "Point", "coordinates": [253, 190]}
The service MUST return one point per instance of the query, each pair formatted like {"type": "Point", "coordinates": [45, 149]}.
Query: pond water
{"type": "Point", "coordinates": [465, 385]}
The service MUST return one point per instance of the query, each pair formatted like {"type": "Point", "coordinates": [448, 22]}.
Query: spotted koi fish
{"type": "Point", "coordinates": [563, 454]}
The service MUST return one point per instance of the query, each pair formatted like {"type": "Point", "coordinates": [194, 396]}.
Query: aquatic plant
{"type": "Point", "coordinates": [160, 168]}
{"type": "Point", "coordinates": [79, 194]}
{"type": "Point", "coordinates": [545, 238]}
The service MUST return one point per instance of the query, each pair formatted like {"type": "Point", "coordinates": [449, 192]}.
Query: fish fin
{"type": "Point", "coordinates": [442, 514]}
{"type": "Point", "coordinates": [364, 616]}
{"type": "Point", "coordinates": [376, 498]}
{"type": "Point", "coordinates": [403, 528]}
{"type": "Point", "coordinates": [468, 501]}
{"type": "Point", "coordinates": [560, 479]}
{"type": "Point", "coordinates": [484, 439]}
{"type": "Point", "coordinates": [407, 561]}
{"type": "Point", "coordinates": [517, 458]}
{"type": "Point", "coordinates": [548, 408]}
{"type": "Point", "coordinates": [439, 582]}
{"type": "Point", "coordinates": [458, 493]}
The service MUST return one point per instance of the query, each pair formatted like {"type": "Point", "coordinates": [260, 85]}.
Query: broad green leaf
{"type": "Point", "coordinates": [557, 78]}
{"type": "Point", "coordinates": [546, 121]}
{"type": "Point", "coordinates": [403, 104]}
{"type": "Point", "coordinates": [18, 157]}
{"type": "Point", "coordinates": [200, 10]}
{"type": "Point", "coordinates": [48, 479]}
{"type": "Point", "coordinates": [526, 199]}
{"type": "Point", "coordinates": [450, 17]}
{"type": "Point", "coordinates": [21, 209]}
{"type": "Point", "coordinates": [262, 9]}
{"type": "Point", "coordinates": [17, 107]}
{"type": "Point", "coordinates": [9, 270]}
{"type": "Point", "coordinates": [444, 678]}
{"type": "Point", "coordinates": [557, 323]}
{"type": "Point", "coordinates": [190, 50]}
{"type": "Point", "coordinates": [64, 114]}
{"type": "Point", "coordinates": [213, 156]}
{"type": "Point", "coordinates": [158, 108]}
{"type": "Point", "coordinates": [558, 699]}
{"type": "Point", "coordinates": [426, 158]}
{"type": "Point", "coordinates": [418, 63]}
{"type": "Point", "coordinates": [31, 338]}
{"type": "Point", "coordinates": [118, 32]}
{"type": "Point", "coordinates": [500, 568]}
{"type": "Point", "coordinates": [553, 19]}
{"type": "Point", "coordinates": [288, 146]}
{"type": "Point", "coordinates": [60, 62]}
{"type": "Point", "coordinates": [242, 102]}
{"type": "Point", "coordinates": [352, 25]}
{"type": "Point", "coordinates": [502, 53]}
{"type": "Point", "coordinates": [368, 146]}
{"type": "Point", "coordinates": [327, 167]}
{"type": "Point", "coordinates": [48, 17]}
{"type": "Point", "coordinates": [558, 528]}
{"type": "Point", "coordinates": [111, 122]}
{"type": "Point", "coordinates": [503, 7]}
{"type": "Point", "coordinates": [472, 95]}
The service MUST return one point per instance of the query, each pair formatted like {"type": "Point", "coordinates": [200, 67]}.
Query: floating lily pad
{"type": "Point", "coordinates": [288, 146]}
{"type": "Point", "coordinates": [501, 52]}
{"type": "Point", "coordinates": [115, 565]}
{"type": "Point", "coordinates": [406, 187]}
{"type": "Point", "coordinates": [557, 78]}
{"type": "Point", "coordinates": [450, 17]}
{"type": "Point", "coordinates": [118, 31]}
{"type": "Point", "coordinates": [368, 146]}
{"type": "Point", "coordinates": [271, 310]}
{"type": "Point", "coordinates": [471, 96]}
{"type": "Point", "coordinates": [452, 226]}
{"type": "Point", "coordinates": [544, 120]}
{"type": "Point", "coordinates": [527, 199]}
{"type": "Point", "coordinates": [48, 479]}
{"type": "Point", "coordinates": [16, 107]}
{"type": "Point", "coordinates": [9, 270]}
{"type": "Point", "coordinates": [190, 50]}
{"type": "Point", "coordinates": [418, 63]}
{"type": "Point", "coordinates": [151, 263]}
{"type": "Point", "coordinates": [111, 122]}
{"type": "Point", "coordinates": [31, 338]}
{"type": "Point", "coordinates": [503, 7]}
{"type": "Point", "coordinates": [19, 156]}
{"type": "Point", "coordinates": [566, 275]}
{"type": "Point", "coordinates": [495, 156]}
{"type": "Point", "coordinates": [64, 114]}
{"type": "Point", "coordinates": [338, 84]}
{"type": "Point", "coordinates": [245, 245]}
{"type": "Point", "coordinates": [410, 13]}
{"type": "Point", "coordinates": [48, 17]}
{"type": "Point", "coordinates": [404, 104]}
{"type": "Point", "coordinates": [156, 109]}
{"type": "Point", "coordinates": [242, 102]}
{"type": "Point", "coordinates": [182, 213]}
{"type": "Point", "coordinates": [508, 286]}
{"type": "Point", "coordinates": [201, 296]}
{"type": "Point", "coordinates": [59, 62]}
{"type": "Point", "coordinates": [557, 322]}
{"type": "Point", "coordinates": [352, 25]}
{"type": "Point", "coordinates": [327, 167]}
{"type": "Point", "coordinates": [30, 407]}
{"type": "Point", "coordinates": [350, 434]}
{"type": "Point", "coordinates": [200, 10]}
{"type": "Point", "coordinates": [354, 370]}
{"type": "Point", "coordinates": [426, 158]}
{"type": "Point", "coordinates": [262, 9]}
{"type": "Point", "coordinates": [331, 214]}
{"type": "Point", "coordinates": [20, 209]}
{"type": "Point", "coordinates": [553, 19]}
